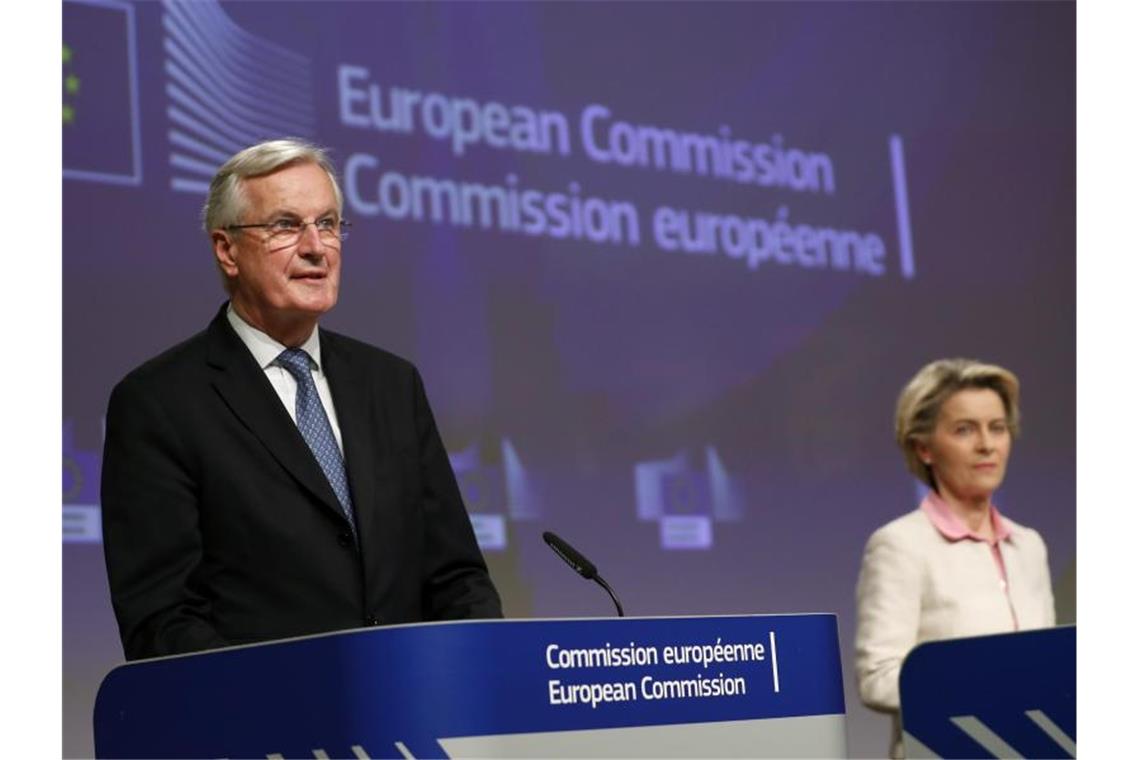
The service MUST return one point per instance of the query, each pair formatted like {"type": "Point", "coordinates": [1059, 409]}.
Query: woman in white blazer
{"type": "Point", "coordinates": [954, 566]}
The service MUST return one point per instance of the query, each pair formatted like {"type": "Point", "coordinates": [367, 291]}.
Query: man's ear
{"type": "Point", "coordinates": [225, 253]}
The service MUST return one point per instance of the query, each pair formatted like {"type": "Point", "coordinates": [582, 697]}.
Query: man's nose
{"type": "Point", "coordinates": [310, 241]}
{"type": "Point", "coordinates": [309, 233]}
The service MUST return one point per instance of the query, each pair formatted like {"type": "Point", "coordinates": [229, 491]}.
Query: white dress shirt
{"type": "Point", "coordinates": [265, 351]}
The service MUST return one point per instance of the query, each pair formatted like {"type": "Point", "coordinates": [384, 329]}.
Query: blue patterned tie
{"type": "Point", "coordinates": [315, 428]}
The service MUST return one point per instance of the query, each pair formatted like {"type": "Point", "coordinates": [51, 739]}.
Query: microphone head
{"type": "Point", "coordinates": [571, 556]}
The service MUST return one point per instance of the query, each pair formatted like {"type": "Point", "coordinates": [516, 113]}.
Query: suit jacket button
{"type": "Point", "coordinates": [372, 620]}
{"type": "Point", "coordinates": [344, 539]}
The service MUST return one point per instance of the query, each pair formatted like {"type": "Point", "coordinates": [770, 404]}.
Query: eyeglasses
{"type": "Point", "coordinates": [287, 231]}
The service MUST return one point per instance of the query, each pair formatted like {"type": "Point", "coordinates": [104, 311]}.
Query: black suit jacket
{"type": "Point", "coordinates": [219, 527]}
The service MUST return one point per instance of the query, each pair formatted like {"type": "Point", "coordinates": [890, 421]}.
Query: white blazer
{"type": "Point", "coordinates": [917, 585]}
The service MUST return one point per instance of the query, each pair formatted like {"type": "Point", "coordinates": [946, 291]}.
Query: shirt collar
{"type": "Point", "coordinates": [264, 348]}
{"type": "Point", "coordinates": [953, 529]}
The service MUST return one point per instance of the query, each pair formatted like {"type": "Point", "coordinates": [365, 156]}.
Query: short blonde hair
{"type": "Point", "coordinates": [921, 400]}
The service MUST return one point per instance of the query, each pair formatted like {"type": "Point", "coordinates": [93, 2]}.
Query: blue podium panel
{"type": "Point", "coordinates": [691, 686]}
{"type": "Point", "coordinates": [1009, 695]}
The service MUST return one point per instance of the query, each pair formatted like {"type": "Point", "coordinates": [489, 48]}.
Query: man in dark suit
{"type": "Point", "coordinates": [266, 478]}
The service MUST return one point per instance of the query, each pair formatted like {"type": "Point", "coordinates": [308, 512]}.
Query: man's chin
{"type": "Point", "coordinates": [317, 307]}
{"type": "Point", "coordinates": [314, 301]}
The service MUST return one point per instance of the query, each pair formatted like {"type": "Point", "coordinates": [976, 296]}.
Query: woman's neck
{"type": "Point", "coordinates": [974, 512]}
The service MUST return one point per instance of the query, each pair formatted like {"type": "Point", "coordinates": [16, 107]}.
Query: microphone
{"type": "Point", "coordinates": [581, 565]}
{"type": "Point", "coordinates": [572, 556]}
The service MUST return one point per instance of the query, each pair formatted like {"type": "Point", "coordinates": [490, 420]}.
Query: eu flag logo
{"type": "Point", "coordinates": [685, 500]}
{"type": "Point", "coordinates": [100, 93]}
{"type": "Point", "coordinates": [81, 519]}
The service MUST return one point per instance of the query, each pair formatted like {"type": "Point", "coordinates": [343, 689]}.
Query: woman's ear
{"type": "Point", "coordinates": [924, 453]}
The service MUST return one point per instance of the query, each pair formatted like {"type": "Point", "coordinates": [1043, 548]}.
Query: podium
{"type": "Point", "coordinates": [1007, 695]}
{"type": "Point", "coordinates": [726, 686]}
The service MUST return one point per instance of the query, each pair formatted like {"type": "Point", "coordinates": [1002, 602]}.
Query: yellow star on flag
{"type": "Point", "coordinates": [68, 114]}
{"type": "Point", "coordinates": [71, 84]}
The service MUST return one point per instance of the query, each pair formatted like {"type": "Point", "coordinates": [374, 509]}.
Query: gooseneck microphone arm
{"type": "Point", "coordinates": [581, 565]}
{"type": "Point", "coordinates": [602, 582]}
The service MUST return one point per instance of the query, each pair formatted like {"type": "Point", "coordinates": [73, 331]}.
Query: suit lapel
{"type": "Point", "coordinates": [349, 386]}
{"type": "Point", "coordinates": [243, 386]}
{"type": "Point", "coordinates": [375, 483]}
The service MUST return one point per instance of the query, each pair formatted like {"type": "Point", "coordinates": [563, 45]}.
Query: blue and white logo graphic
{"type": "Point", "coordinates": [685, 501]}
{"type": "Point", "coordinates": [81, 516]}
{"type": "Point", "coordinates": [226, 89]}
{"type": "Point", "coordinates": [494, 492]}
{"type": "Point", "coordinates": [101, 140]}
